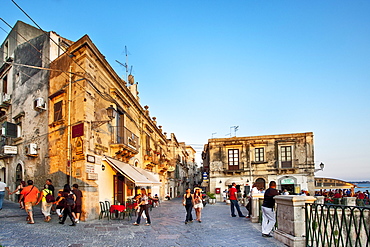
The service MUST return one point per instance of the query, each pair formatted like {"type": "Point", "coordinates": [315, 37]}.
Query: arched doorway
{"type": "Point", "coordinates": [260, 183]}
{"type": "Point", "coordinates": [19, 173]}
{"type": "Point", "coordinates": [288, 183]}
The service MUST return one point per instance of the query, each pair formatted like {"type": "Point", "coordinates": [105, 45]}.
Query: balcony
{"type": "Point", "coordinates": [123, 136]}
{"type": "Point", "coordinates": [5, 99]}
{"type": "Point", "coordinates": [124, 143]}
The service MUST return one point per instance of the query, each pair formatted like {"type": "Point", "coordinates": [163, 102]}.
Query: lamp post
{"type": "Point", "coordinates": [111, 112]}
{"type": "Point", "coordinates": [321, 167]}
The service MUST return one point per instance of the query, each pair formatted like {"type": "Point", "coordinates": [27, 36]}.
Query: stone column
{"type": "Point", "coordinates": [320, 199]}
{"type": "Point", "coordinates": [256, 207]}
{"type": "Point", "coordinates": [349, 201]}
{"type": "Point", "coordinates": [291, 219]}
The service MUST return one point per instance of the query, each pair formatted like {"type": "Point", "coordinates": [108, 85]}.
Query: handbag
{"type": "Point", "coordinates": [49, 198]}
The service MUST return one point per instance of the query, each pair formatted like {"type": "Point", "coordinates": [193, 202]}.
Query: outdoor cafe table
{"type": "Point", "coordinates": [117, 208]}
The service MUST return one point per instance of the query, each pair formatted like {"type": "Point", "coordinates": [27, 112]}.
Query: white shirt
{"type": "Point", "coordinates": [254, 191]}
{"type": "Point", "coordinates": [2, 186]}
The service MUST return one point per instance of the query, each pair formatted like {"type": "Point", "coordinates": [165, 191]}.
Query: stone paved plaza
{"type": "Point", "coordinates": [218, 228]}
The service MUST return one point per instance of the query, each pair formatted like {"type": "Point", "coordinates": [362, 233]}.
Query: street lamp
{"type": "Point", "coordinates": [111, 112]}
{"type": "Point", "coordinates": [321, 167]}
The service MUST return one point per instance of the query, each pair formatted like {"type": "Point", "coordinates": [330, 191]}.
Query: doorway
{"type": "Point", "coordinates": [260, 183]}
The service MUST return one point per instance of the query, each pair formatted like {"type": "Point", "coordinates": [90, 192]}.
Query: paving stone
{"type": "Point", "coordinates": [218, 228]}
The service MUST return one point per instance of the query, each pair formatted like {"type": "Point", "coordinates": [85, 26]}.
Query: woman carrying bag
{"type": "Point", "coordinates": [198, 204]}
{"type": "Point", "coordinates": [46, 206]}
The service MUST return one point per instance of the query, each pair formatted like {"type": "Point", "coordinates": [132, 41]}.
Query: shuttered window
{"type": "Point", "coordinates": [259, 154]}
{"type": "Point", "coordinates": [233, 158]}
{"type": "Point", "coordinates": [58, 111]}
{"type": "Point", "coordinates": [286, 157]}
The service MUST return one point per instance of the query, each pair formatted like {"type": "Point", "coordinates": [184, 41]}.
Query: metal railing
{"type": "Point", "coordinates": [122, 135]}
{"type": "Point", "coordinates": [337, 225]}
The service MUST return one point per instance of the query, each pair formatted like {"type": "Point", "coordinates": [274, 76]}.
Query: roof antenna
{"type": "Point", "coordinates": [125, 65]}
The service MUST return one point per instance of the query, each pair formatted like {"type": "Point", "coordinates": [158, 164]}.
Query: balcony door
{"type": "Point", "coordinates": [233, 159]}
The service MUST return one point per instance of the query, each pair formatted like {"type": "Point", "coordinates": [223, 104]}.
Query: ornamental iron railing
{"type": "Point", "coordinates": [337, 225]}
{"type": "Point", "coordinates": [122, 135]}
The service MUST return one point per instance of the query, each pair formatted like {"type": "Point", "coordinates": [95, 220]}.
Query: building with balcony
{"type": "Point", "coordinates": [25, 57]}
{"type": "Point", "coordinates": [74, 120]}
{"type": "Point", "coordinates": [287, 159]}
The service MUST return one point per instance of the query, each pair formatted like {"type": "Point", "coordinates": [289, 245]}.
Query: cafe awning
{"type": "Point", "coordinates": [236, 181]}
{"type": "Point", "coordinates": [137, 175]}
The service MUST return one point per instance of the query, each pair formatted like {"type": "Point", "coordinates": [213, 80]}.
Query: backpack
{"type": "Point", "coordinates": [70, 201]}
{"type": "Point", "coordinates": [49, 198]}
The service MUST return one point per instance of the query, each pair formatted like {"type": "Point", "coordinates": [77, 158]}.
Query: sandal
{"type": "Point", "coordinates": [135, 224]}
{"type": "Point", "coordinates": [30, 222]}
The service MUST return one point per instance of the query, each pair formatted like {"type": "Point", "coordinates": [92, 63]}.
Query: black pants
{"type": "Point", "coordinates": [142, 209]}
{"type": "Point", "coordinates": [67, 211]}
{"type": "Point", "coordinates": [189, 209]}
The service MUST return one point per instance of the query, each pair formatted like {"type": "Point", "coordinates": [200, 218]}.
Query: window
{"type": "Point", "coordinates": [233, 159]}
{"type": "Point", "coordinates": [5, 84]}
{"type": "Point", "coordinates": [58, 111]}
{"type": "Point", "coordinates": [19, 129]}
{"type": "Point", "coordinates": [286, 157]}
{"type": "Point", "coordinates": [259, 155]}
{"type": "Point", "coordinates": [147, 143]}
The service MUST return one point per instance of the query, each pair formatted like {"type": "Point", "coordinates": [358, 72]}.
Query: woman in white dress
{"type": "Point", "coordinates": [198, 204]}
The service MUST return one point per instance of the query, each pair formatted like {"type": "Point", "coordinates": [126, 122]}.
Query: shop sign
{"type": "Point", "coordinates": [92, 176]}
{"type": "Point", "coordinates": [287, 181]}
{"type": "Point", "coordinates": [90, 168]}
{"type": "Point", "coordinates": [10, 150]}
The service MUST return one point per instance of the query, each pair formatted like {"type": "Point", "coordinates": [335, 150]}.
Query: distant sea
{"type": "Point", "coordinates": [362, 186]}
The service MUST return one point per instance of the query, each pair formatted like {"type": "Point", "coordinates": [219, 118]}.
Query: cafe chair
{"type": "Point", "coordinates": [104, 212]}
{"type": "Point", "coordinates": [107, 207]}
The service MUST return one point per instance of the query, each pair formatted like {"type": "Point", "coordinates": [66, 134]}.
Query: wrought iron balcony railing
{"type": "Point", "coordinates": [122, 135]}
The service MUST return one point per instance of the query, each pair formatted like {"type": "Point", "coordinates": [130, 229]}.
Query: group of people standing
{"type": "Point", "coordinates": [68, 202]}
{"type": "Point", "coordinates": [268, 214]}
{"type": "Point", "coordinates": [191, 201]}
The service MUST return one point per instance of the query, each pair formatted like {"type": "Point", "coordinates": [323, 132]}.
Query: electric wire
{"type": "Point", "coordinates": [104, 95]}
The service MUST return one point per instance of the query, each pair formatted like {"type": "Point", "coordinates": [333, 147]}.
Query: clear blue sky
{"type": "Point", "coordinates": [269, 67]}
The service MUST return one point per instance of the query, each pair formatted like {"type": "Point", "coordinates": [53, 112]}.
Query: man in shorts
{"type": "Point", "coordinates": [77, 210]}
{"type": "Point", "coordinates": [31, 197]}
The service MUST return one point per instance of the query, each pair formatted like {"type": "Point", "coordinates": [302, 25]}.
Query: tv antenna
{"type": "Point", "coordinates": [126, 65]}
{"type": "Point", "coordinates": [235, 130]}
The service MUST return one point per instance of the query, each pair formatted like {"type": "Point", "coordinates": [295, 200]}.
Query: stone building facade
{"type": "Point", "coordinates": [287, 159]}
{"type": "Point", "coordinates": [85, 123]}
{"type": "Point", "coordinates": [24, 151]}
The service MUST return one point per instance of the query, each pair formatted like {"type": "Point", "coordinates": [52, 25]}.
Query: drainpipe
{"type": "Point", "coordinates": [69, 151]}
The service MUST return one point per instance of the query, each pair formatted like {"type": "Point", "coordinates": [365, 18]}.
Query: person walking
{"type": "Point", "coordinates": [188, 202]}
{"type": "Point", "coordinates": [144, 206]}
{"type": "Point", "coordinates": [233, 196]}
{"type": "Point", "coordinates": [59, 202]}
{"type": "Point", "coordinates": [77, 210]}
{"type": "Point", "coordinates": [198, 204]}
{"type": "Point", "coordinates": [268, 214]}
{"type": "Point", "coordinates": [46, 206]}
{"type": "Point", "coordinates": [3, 187]}
{"type": "Point", "coordinates": [69, 202]}
{"type": "Point", "coordinates": [31, 196]}
{"type": "Point", "coordinates": [18, 191]}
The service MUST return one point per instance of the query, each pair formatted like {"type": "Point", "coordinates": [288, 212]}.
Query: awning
{"type": "Point", "coordinates": [236, 181]}
{"type": "Point", "coordinates": [137, 175]}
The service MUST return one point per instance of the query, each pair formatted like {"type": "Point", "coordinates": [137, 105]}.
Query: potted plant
{"type": "Point", "coordinates": [212, 197]}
